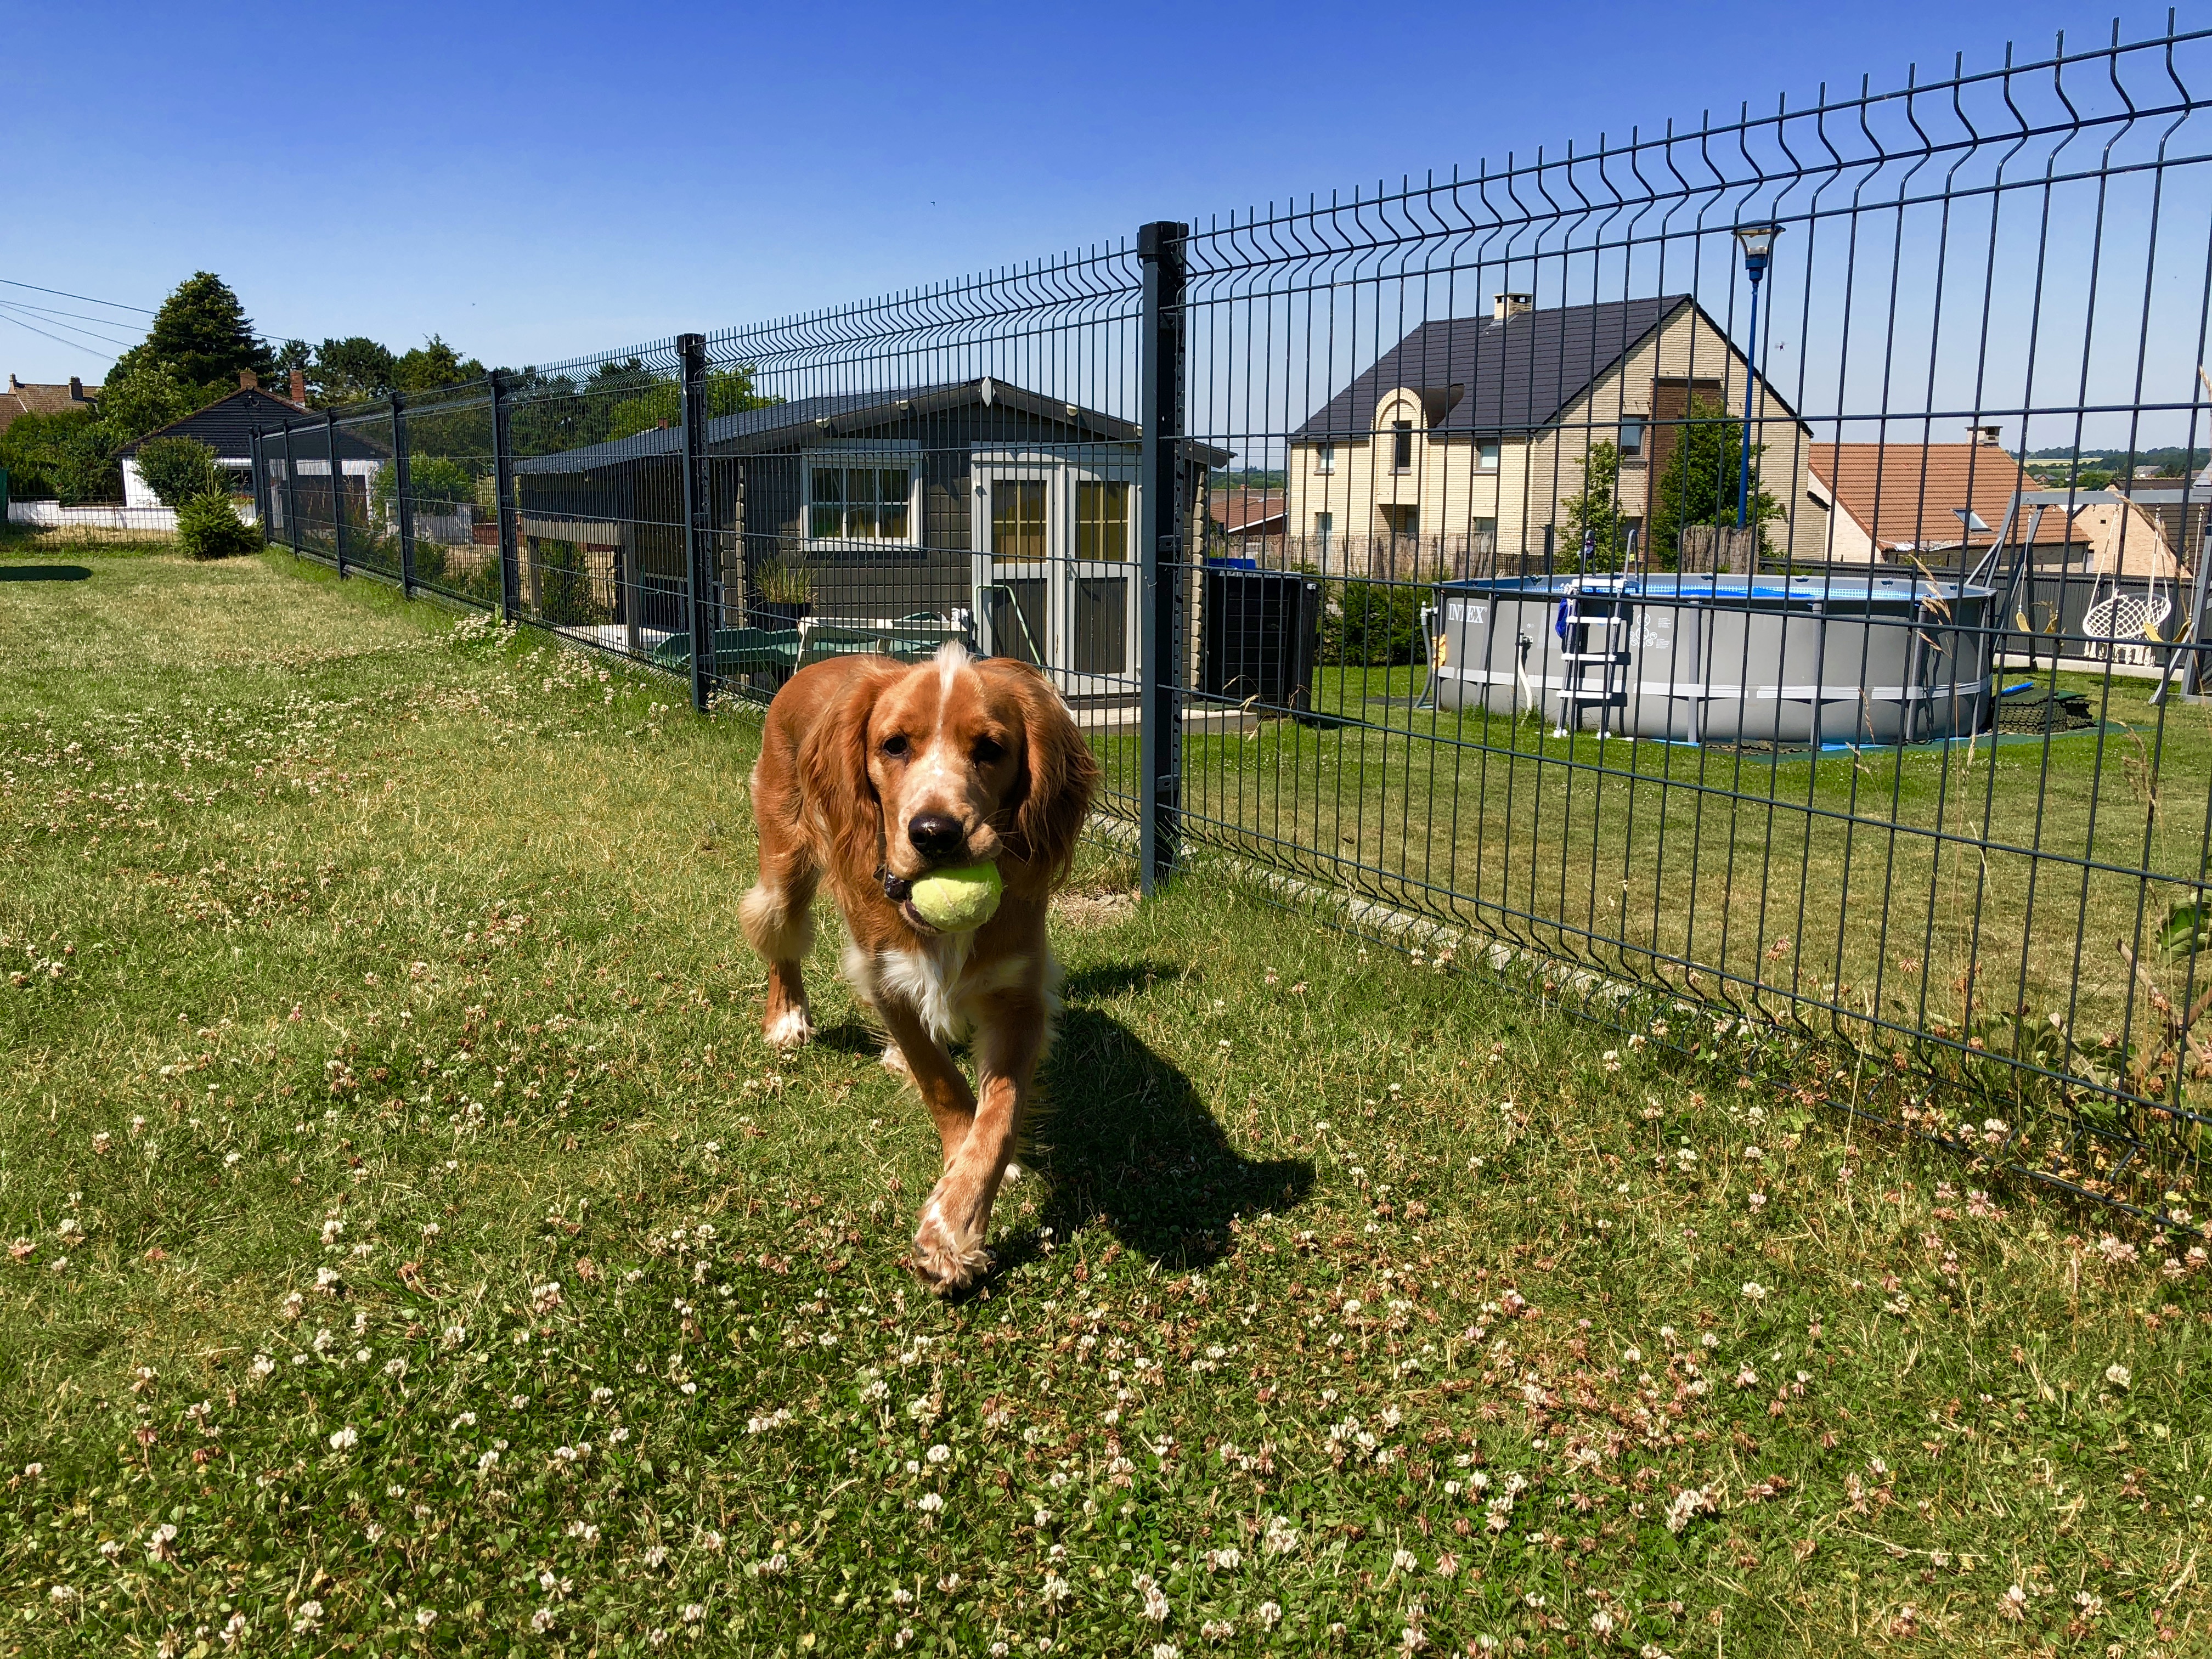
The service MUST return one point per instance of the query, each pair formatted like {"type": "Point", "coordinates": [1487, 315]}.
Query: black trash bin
{"type": "Point", "coordinates": [1260, 637]}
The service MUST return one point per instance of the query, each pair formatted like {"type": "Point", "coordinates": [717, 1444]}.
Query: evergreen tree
{"type": "Point", "coordinates": [1593, 517]}
{"type": "Point", "coordinates": [203, 330]}
{"type": "Point", "coordinates": [1699, 482]}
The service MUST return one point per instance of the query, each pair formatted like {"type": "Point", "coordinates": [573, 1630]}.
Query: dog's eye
{"type": "Point", "coordinates": [986, 752]}
{"type": "Point", "coordinates": [895, 744]}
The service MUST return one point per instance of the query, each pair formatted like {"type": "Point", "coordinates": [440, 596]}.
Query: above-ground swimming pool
{"type": "Point", "coordinates": [1699, 659]}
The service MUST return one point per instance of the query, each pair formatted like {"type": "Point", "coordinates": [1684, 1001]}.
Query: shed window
{"type": "Point", "coordinates": [1017, 519]}
{"type": "Point", "coordinates": [860, 503]}
{"type": "Point", "coordinates": [1402, 446]}
{"type": "Point", "coordinates": [1102, 521]}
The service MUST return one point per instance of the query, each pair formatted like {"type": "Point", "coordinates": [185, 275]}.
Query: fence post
{"type": "Point", "coordinates": [502, 472]}
{"type": "Point", "coordinates": [401, 487]}
{"type": "Point", "coordinates": [698, 518]}
{"type": "Point", "coordinates": [259, 474]}
{"type": "Point", "coordinates": [1160, 248]}
{"type": "Point", "coordinates": [337, 489]}
{"type": "Point", "coordinates": [291, 491]}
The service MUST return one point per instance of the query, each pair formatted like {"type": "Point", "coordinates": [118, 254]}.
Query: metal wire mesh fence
{"type": "Point", "coordinates": [1666, 574]}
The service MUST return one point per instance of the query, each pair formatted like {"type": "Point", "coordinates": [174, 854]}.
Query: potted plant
{"type": "Point", "coordinates": [781, 593]}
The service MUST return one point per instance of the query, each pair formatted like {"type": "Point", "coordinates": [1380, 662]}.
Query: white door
{"type": "Point", "coordinates": [1055, 570]}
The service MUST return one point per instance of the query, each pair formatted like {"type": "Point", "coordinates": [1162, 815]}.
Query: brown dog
{"type": "Point", "coordinates": [874, 773]}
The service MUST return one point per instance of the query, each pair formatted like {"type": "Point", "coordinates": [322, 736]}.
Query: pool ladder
{"type": "Point", "coordinates": [1594, 635]}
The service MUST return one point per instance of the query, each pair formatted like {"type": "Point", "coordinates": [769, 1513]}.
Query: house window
{"type": "Point", "coordinates": [1402, 523]}
{"type": "Point", "coordinates": [860, 503]}
{"type": "Point", "coordinates": [1631, 435]}
{"type": "Point", "coordinates": [1325, 458]}
{"type": "Point", "coordinates": [1102, 521]}
{"type": "Point", "coordinates": [1324, 531]}
{"type": "Point", "coordinates": [1017, 519]}
{"type": "Point", "coordinates": [1486, 527]}
{"type": "Point", "coordinates": [1402, 446]}
{"type": "Point", "coordinates": [1486, 455]}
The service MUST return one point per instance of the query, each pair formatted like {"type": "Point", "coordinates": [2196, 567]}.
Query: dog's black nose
{"type": "Point", "coordinates": [934, 835]}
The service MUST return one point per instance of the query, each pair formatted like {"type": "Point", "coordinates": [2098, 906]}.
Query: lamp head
{"type": "Point", "coordinates": [1757, 247]}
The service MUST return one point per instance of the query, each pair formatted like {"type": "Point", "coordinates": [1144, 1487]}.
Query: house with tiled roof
{"type": "Point", "coordinates": [1467, 439]}
{"type": "Point", "coordinates": [1945, 504]}
{"type": "Point", "coordinates": [30, 397]}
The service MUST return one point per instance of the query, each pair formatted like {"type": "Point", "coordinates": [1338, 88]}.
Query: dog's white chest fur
{"type": "Point", "coordinates": [938, 979]}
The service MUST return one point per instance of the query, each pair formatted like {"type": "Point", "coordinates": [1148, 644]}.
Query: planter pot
{"type": "Point", "coordinates": [777, 613]}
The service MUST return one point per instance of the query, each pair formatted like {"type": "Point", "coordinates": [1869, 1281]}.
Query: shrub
{"type": "Point", "coordinates": [180, 469]}
{"type": "Point", "coordinates": [208, 527]}
{"type": "Point", "coordinates": [1374, 624]}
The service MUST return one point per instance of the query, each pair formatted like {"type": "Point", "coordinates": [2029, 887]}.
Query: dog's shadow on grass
{"type": "Point", "coordinates": [1124, 1141]}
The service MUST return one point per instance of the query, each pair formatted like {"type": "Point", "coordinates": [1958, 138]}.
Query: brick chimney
{"type": "Point", "coordinates": [248, 380]}
{"type": "Point", "coordinates": [1503, 306]}
{"type": "Point", "coordinates": [76, 390]}
{"type": "Point", "coordinates": [299, 387]}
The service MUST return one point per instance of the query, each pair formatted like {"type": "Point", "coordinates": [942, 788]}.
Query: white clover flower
{"type": "Point", "coordinates": [310, 1615]}
{"type": "Point", "coordinates": [345, 1439]}
{"type": "Point", "coordinates": [1269, 1614]}
{"type": "Point", "coordinates": [2118, 1376]}
{"type": "Point", "coordinates": [161, 1543]}
{"type": "Point", "coordinates": [938, 1453]}
{"type": "Point", "coordinates": [489, 1462]}
{"type": "Point", "coordinates": [1754, 1292]}
{"type": "Point", "coordinates": [542, 1621]}
{"type": "Point", "coordinates": [930, 1503]}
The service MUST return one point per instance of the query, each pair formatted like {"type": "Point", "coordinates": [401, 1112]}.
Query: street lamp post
{"type": "Point", "coordinates": [1758, 250]}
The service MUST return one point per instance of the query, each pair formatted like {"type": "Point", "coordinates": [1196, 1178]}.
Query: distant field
{"type": "Point", "coordinates": [418, 1252]}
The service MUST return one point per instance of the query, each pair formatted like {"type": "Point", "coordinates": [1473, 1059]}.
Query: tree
{"type": "Point", "coordinates": [179, 469]}
{"type": "Point", "coordinates": [143, 393]}
{"type": "Point", "coordinates": [204, 330]}
{"type": "Point", "coordinates": [1699, 482]}
{"type": "Point", "coordinates": [350, 371]}
{"type": "Point", "coordinates": [62, 457]}
{"type": "Point", "coordinates": [435, 485]}
{"type": "Point", "coordinates": [208, 527]}
{"type": "Point", "coordinates": [1593, 517]}
{"type": "Point", "coordinates": [433, 364]}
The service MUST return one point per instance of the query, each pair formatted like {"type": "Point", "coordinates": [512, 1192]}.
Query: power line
{"type": "Point", "coordinates": [113, 305]}
{"type": "Point", "coordinates": [52, 311]}
{"type": "Point", "coordinates": [12, 309]}
{"type": "Point", "coordinates": [72, 344]}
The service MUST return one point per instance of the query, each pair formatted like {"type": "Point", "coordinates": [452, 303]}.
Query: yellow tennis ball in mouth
{"type": "Point", "coordinates": [958, 901]}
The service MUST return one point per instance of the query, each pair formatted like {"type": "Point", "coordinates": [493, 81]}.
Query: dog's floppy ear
{"type": "Point", "coordinates": [834, 784]}
{"type": "Point", "coordinates": [1060, 775]}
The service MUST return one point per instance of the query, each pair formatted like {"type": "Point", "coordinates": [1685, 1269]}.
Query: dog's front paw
{"type": "Point", "coordinates": [947, 1257]}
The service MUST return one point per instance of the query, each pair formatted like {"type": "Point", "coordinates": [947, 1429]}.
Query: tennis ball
{"type": "Point", "coordinates": [958, 901]}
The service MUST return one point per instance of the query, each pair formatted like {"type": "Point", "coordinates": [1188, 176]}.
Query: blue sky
{"type": "Point", "coordinates": [536, 181]}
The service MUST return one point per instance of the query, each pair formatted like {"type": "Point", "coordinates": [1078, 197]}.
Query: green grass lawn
{"type": "Point", "coordinates": [418, 1251]}
{"type": "Point", "coordinates": [1983, 893]}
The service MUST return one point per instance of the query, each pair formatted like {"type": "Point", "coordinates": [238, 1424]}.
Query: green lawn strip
{"type": "Point", "coordinates": [410, 1218]}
